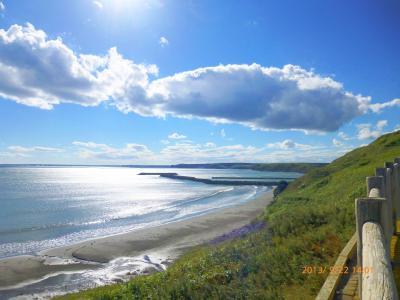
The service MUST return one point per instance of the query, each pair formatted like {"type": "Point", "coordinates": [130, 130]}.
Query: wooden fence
{"type": "Point", "coordinates": [377, 222]}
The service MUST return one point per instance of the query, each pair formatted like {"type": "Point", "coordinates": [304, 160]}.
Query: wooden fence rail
{"type": "Point", "coordinates": [376, 216]}
{"type": "Point", "coordinates": [377, 224]}
{"type": "Point", "coordinates": [377, 275]}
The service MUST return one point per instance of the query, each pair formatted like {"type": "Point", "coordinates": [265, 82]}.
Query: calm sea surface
{"type": "Point", "coordinates": [46, 207]}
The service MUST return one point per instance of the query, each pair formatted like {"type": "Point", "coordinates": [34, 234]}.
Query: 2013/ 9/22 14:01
{"type": "Point", "coordinates": [335, 269]}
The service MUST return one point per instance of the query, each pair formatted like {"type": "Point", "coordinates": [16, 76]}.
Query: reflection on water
{"type": "Point", "coordinates": [45, 207]}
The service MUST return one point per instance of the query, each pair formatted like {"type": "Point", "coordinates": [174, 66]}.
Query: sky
{"type": "Point", "coordinates": [164, 81]}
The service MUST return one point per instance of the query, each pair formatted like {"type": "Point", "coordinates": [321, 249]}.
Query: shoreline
{"type": "Point", "coordinates": [172, 239]}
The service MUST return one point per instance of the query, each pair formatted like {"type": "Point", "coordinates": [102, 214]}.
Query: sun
{"type": "Point", "coordinates": [124, 6]}
{"type": "Point", "coordinates": [117, 13]}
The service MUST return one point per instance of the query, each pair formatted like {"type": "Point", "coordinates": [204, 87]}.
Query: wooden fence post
{"type": "Point", "coordinates": [381, 184]}
{"type": "Point", "coordinates": [375, 182]}
{"type": "Point", "coordinates": [381, 172]}
{"type": "Point", "coordinates": [396, 189]}
{"type": "Point", "coordinates": [388, 178]}
{"type": "Point", "coordinates": [385, 193]}
{"type": "Point", "coordinates": [397, 183]}
{"type": "Point", "coordinates": [375, 216]}
{"type": "Point", "coordinates": [392, 178]}
{"type": "Point", "coordinates": [378, 281]}
{"type": "Point", "coordinates": [389, 164]}
{"type": "Point", "coordinates": [373, 208]}
{"type": "Point", "coordinates": [376, 189]}
{"type": "Point", "coordinates": [367, 210]}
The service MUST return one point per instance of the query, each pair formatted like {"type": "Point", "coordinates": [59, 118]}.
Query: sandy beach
{"type": "Point", "coordinates": [171, 239]}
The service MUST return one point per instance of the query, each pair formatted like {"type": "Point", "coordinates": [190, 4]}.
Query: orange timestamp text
{"type": "Point", "coordinates": [308, 270]}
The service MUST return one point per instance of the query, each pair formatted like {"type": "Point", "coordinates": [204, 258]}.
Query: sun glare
{"type": "Point", "coordinates": [124, 6]}
{"type": "Point", "coordinates": [117, 13]}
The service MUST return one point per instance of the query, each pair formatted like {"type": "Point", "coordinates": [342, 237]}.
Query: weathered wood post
{"type": "Point", "coordinates": [389, 194]}
{"type": "Point", "coordinates": [377, 276]}
{"type": "Point", "coordinates": [376, 190]}
{"type": "Point", "coordinates": [370, 209]}
{"type": "Point", "coordinates": [381, 172]}
{"type": "Point", "coordinates": [396, 190]}
{"type": "Point", "coordinates": [397, 168]}
{"type": "Point", "coordinates": [391, 190]}
{"type": "Point", "coordinates": [390, 220]}
{"type": "Point", "coordinates": [375, 186]}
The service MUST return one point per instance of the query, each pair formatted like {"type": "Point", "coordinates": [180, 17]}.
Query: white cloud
{"type": "Point", "coordinates": [252, 23]}
{"type": "Point", "coordinates": [176, 136]}
{"type": "Point", "coordinates": [210, 144]}
{"type": "Point", "coordinates": [8, 155]}
{"type": "Point", "coordinates": [367, 131]}
{"type": "Point", "coordinates": [165, 142]}
{"type": "Point", "coordinates": [21, 149]}
{"type": "Point", "coordinates": [343, 136]}
{"type": "Point", "coordinates": [222, 133]}
{"type": "Point", "coordinates": [378, 107]}
{"type": "Point", "coordinates": [98, 4]}
{"type": "Point", "coordinates": [16, 151]}
{"type": "Point", "coordinates": [2, 6]}
{"type": "Point", "coordinates": [252, 95]}
{"type": "Point", "coordinates": [289, 144]}
{"type": "Point", "coordinates": [209, 152]}
{"type": "Point", "coordinates": [91, 150]}
{"type": "Point", "coordinates": [381, 124]}
{"type": "Point", "coordinates": [163, 41]}
{"type": "Point", "coordinates": [286, 144]}
{"type": "Point", "coordinates": [337, 143]}
{"type": "Point", "coordinates": [179, 152]}
{"type": "Point", "coordinates": [40, 72]}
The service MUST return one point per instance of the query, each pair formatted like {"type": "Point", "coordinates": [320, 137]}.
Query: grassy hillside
{"type": "Point", "coordinates": [309, 223]}
{"type": "Point", "coordinates": [273, 167]}
{"type": "Point", "coordinates": [288, 167]}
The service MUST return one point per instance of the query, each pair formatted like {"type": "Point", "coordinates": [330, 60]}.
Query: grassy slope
{"type": "Point", "coordinates": [277, 167]}
{"type": "Point", "coordinates": [309, 224]}
{"type": "Point", "coordinates": [288, 167]}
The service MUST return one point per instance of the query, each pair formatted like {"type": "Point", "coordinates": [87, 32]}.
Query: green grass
{"type": "Point", "coordinates": [309, 224]}
{"type": "Point", "coordinates": [287, 167]}
{"type": "Point", "coordinates": [273, 167]}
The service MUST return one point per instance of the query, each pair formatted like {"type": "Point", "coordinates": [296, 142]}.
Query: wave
{"type": "Point", "coordinates": [191, 200]}
{"type": "Point", "coordinates": [174, 204]}
{"type": "Point", "coordinates": [74, 232]}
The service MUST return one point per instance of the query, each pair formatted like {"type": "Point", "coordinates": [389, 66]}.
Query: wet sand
{"type": "Point", "coordinates": [173, 238]}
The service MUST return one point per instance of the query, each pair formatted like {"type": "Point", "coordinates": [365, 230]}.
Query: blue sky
{"type": "Point", "coordinates": [153, 81]}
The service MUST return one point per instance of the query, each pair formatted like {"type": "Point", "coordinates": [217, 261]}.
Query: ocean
{"type": "Point", "coordinates": [49, 207]}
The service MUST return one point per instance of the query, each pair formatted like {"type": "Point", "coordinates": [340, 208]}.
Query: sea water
{"type": "Point", "coordinates": [47, 207]}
